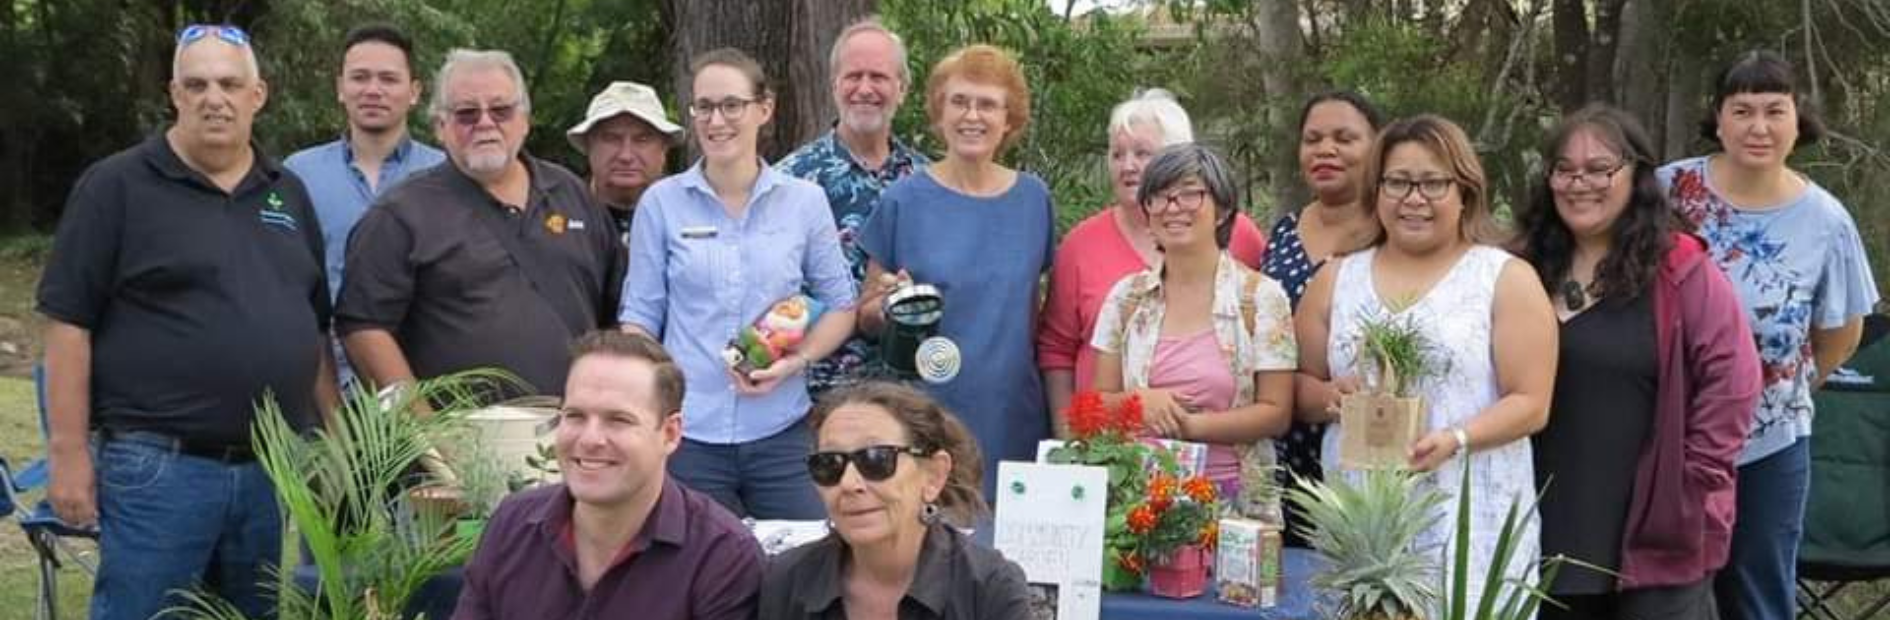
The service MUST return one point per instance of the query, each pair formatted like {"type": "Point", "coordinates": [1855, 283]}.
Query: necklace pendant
{"type": "Point", "coordinates": [1574, 295]}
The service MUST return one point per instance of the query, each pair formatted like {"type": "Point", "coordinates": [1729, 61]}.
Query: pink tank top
{"type": "Point", "coordinates": [1195, 370]}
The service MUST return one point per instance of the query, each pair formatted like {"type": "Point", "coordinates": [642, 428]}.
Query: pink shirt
{"type": "Point", "coordinates": [1093, 256]}
{"type": "Point", "coordinates": [1194, 368]}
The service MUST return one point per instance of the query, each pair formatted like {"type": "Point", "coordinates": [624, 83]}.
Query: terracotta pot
{"type": "Point", "coordinates": [1181, 574]}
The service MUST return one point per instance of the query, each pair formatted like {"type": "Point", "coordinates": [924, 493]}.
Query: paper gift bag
{"type": "Point", "coordinates": [1377, 430]}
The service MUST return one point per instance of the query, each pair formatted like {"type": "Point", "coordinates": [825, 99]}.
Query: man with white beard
{"type": "Point", "coordinates": [497, 260]}
{"type": "Point", "coordinates": [856, 161]}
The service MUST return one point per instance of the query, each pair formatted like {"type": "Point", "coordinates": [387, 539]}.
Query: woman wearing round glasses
{"type": "Point", "coordinates": [981, 233]}
{"type": "Point", "coordinates": [897, 472]}
{"type": "Point", "coordinates": [1794, 255]}
{"type": "Point", "coordinates": [1487, 327]}
{"type": "Point", "coordinates": [1113, 243]}
{"type": "Point", "coordinates": [711, 250]}
{"type": "Point", "coordinates": [1654, 388]}
{"type": "Point", "coordinates": [1205, 342]}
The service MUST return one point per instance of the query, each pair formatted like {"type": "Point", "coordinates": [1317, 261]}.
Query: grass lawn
{"type": "Point", "coordinates": [19, 572]}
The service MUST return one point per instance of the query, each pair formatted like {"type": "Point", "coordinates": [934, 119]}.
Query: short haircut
{"type": "Point", "coordinates": [1156, 108]}
{"type": "Point", "coordinates": [869, 24]}
{"type": "Point", "coordinates": [379, 32]}
{"type": "Point", "coordinates": [1446, 141]}
{"type": "Point", "coordinates": [1181, 162]}
{"type": "Point", "coordinates": [461, 59]}
{"type": "Point", "coordinates": [930, 428]}
{"type": "Point", "coordinates": [667, 377]}
{"type": "Point", "coordinates": [983, 64]}
{"type": "Point", "coordinates": [1358, 102]}
{"type": "Point", "coordinates": [1762, 71]}
{"type": "Point", "coordinates": [738, 60]}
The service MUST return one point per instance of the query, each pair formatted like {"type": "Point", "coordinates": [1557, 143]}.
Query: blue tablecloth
{"type": "Point", "coordinates": [1296, 598]}
{"type": "Point", "coordinates": [438, 595]}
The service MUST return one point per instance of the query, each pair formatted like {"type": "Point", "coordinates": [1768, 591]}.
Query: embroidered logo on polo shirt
{"type": "Point", "coordinates": [555, 224]}
{"type": "Point", "coordinates": [276, 213]}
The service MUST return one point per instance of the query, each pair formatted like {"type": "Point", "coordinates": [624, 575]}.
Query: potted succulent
{"type": "Point", "coordinates": [1380, 421]}
{"type": "Point", "coordinates": [343, 489]}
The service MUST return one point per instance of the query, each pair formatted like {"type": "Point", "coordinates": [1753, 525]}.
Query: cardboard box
{"type": "Point", "coordinates": [1248, 563]}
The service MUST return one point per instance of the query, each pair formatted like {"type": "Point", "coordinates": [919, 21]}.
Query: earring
{"type": "Point", "coordinates": [929, 513]}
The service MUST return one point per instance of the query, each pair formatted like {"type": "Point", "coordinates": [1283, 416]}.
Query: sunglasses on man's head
{"type": "Point", "coordinates": [234, 35]}
{"type": "Point", "coordinates": [875, 463]}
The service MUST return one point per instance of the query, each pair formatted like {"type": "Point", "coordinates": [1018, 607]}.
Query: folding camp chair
{"type": "Point", "coordinates": [44, 530]}
{"type": "Point", "coordinates": [1846, 541]}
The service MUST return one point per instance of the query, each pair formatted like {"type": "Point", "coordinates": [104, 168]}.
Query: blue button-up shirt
{"type": "Point", "coordinates": [341, 193]}
{"type": "Point", "coordinates": [697, 275]}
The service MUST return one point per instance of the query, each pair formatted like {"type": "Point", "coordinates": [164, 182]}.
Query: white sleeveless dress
{"type": "Point", "coordinates": [1456, 314]}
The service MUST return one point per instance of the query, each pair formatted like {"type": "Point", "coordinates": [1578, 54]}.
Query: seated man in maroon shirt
{"type": "Point", "coordinates": [618, 539]}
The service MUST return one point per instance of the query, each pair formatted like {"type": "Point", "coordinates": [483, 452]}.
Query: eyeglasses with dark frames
{"type": "Point", "coordinates": [468, 116]}
{"type": "Point", "coordinates": [732, 108]}
{"type": "Point", "coordinates": [1400, 188]}
{"type": "Point", "coordinates": [1598, 175]}
{"type": "Point", "coordinates": [875, 463]}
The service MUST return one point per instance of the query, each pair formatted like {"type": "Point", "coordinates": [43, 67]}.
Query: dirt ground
{"type": "Point", "coordinates": [19, 325]}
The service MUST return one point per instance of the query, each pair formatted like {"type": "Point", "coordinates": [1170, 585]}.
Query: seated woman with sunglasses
{"type": "Point", "coordinates": [713, 248]}
{"type": "Point", "coordinates": [897, 472]}
{"type": "Point", "coordinates": [1204, 341]}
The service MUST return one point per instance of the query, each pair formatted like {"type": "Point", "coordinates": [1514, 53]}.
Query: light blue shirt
{"type": "Point", "coordinates": [342, 194]}
{"type": "Point", "coordinates": [698, 275]}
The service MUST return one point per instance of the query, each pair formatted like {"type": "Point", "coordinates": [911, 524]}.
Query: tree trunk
{"type": "Point", "coordinates": [1640, 63]}
{"type": "Point", "coordinates": [1276, 34]}
{"type": "Point", "coordinates": [781, 36]}
{"type": "Point", "coordinates": [1571, 51]}
{"type": "Point", "coordinates": [1602, 44]}
{"type": "Point", "coordinates": [1684, 108]}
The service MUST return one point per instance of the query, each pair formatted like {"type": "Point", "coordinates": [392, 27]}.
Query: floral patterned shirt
{"type": "Point", "coordinates": [1798, 267]}
{"type": "Point", "coordinates": [852, 192]}
{"type": "Point", "coordinates": [1130, 325]}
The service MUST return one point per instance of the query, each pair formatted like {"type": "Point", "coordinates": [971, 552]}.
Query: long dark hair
{"type": "Point", "coordinates": [1642, 234]}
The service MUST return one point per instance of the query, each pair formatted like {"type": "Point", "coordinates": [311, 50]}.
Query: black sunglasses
{"type": "Point", "coordinates": [875, 463]}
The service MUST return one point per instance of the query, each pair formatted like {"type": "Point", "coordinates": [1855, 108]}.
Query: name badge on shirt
{"type": "Point", "coordinates": [698, 232]}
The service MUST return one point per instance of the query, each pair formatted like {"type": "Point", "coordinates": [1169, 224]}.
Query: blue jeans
{"type": "Point", "coordinates": [1761, 574]}
{"type": "Point", "coordinates": [764, 479]}
{"type": "Point", "coordinates": [169, 521]}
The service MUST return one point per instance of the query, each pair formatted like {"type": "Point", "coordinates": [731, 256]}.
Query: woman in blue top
{"type": "Point", "coordinates": [711, 250]}
{"type": "Point", "coordinates": [980, 233]}
{"type": "Point", "coordinates": [1795, 258]}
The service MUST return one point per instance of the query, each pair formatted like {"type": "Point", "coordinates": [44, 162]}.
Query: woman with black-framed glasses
{"type": "Point", "coordinates": [897, 472]}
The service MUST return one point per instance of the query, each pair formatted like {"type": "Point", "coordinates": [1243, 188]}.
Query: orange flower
{"type": "Point", "coordinates": [1200, 489]}
{"type": "Point", "coordinates": [1130, 561]}
{"type": "Point", "coordinates": [1210, 535]}
{"type": "Point", "coordinates": [1142, 519]}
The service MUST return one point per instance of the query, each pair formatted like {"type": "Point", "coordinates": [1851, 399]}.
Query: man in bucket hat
{"type": "Point", "coordinates": [627, 137]}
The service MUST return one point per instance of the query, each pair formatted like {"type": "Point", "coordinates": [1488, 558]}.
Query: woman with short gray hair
{"type": "Point", "coordinates": [1205, 342]}
{"type": "Point", "coordinates": [1113, 243]}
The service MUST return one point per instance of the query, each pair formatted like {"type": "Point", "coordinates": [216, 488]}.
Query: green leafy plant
{"type": "Point", "coordinates": [1395, 354]}
{"type": "Point", "coordinates": [1519, 597]}
{"type": "Point", "coordinates": [345, 489]}
{"type": "Point", "coordinates": [1367, 527]}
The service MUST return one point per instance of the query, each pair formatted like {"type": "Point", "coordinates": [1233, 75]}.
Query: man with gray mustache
{"type": "Point", "coordinates": [497, 260]}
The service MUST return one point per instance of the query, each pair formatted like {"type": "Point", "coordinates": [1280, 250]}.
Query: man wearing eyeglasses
{"type": "Point", "coordinates": [627, 137]}
{"type": "Point", "coordinates": [376, 87]}
{"type": "Point", "coordinates": [185, 284]}
{"type": "Point", "coordinates": [617, 538]}
{"type": "Point", "coordinates": [496, 260]}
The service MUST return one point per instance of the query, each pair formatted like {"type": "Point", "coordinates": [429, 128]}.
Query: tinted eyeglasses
{"type": "Point", "coordinates": [875, 463]}
{"type": "Point", "coordinates": [233, 35]}
{"type": "Point", "coordinates": [469, 115]}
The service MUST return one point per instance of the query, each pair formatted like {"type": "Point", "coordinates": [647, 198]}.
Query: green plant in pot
{"type": "Point", "coordinates": [1381, 420]}
{"type": "Point", "coordinates": [347, 490]}
{"type": "Point", "coordinates": [1366, 525]}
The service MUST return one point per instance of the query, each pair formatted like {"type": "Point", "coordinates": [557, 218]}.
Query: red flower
{"type": "Point", "coordinates": [1199, 489]}
{"type": "Point", "coordinates": [1142, 519]}
{"type": "Point", "coordinates": [1129, 415]}
{"type": "Point", "coordinates": [1087, 415]}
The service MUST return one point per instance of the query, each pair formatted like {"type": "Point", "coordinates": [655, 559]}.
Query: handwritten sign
{"type": "Point", "coordinates": [1050, 521]}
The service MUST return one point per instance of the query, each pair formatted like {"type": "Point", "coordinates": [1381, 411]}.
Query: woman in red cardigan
{"type": "Point", "coordinates": [1655, 387]}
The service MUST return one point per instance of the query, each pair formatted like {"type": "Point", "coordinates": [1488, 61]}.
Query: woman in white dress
{"type": "Point", "coordinates": [1489, 327]}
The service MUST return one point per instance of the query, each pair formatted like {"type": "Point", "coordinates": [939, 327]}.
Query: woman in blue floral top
{"type": "Point", "coordinates": [1794, 255]}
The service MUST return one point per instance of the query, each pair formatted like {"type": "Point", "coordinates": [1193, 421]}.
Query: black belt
{"type": "Point", "coordinates": [226, 454]}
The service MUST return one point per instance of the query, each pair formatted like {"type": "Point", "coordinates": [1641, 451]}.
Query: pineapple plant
{"type": "Point", "coordinates": [1366, 525]}
{"type": "Point", "coordinates": [1379, 422]}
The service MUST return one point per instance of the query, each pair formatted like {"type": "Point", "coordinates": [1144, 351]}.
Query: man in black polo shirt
{"type": "Point", "coordinates": [185, 284]}
{"type": "Point", "coordinates": [496, 260]}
